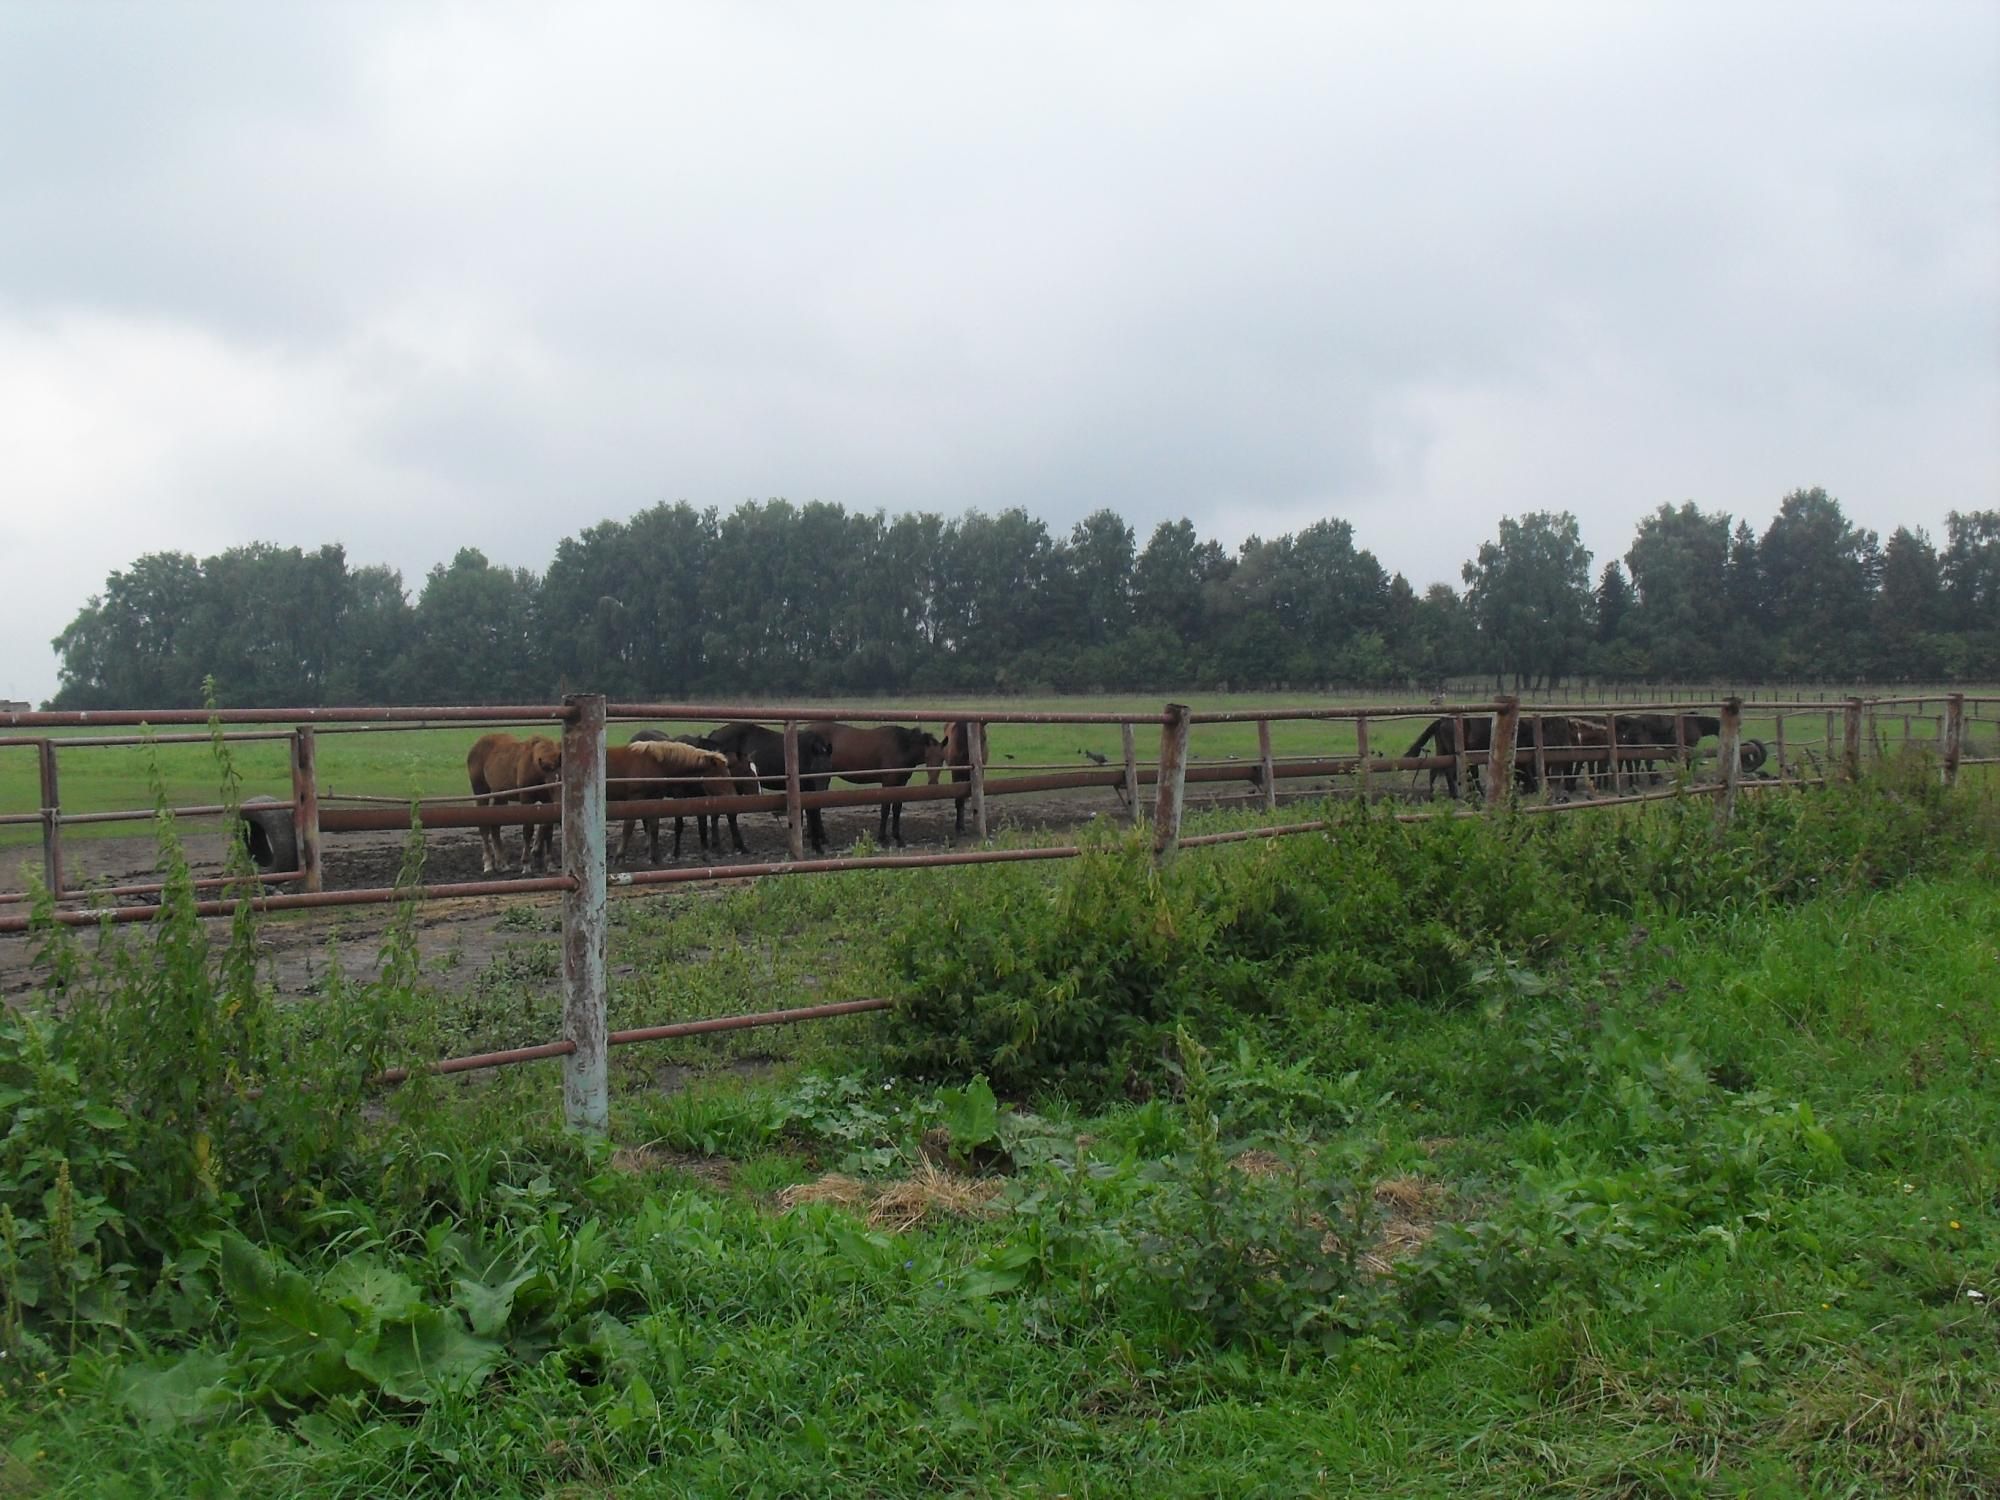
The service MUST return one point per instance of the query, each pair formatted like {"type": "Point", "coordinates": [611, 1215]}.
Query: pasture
{"type": "Point", "coordinates": [1591, 1154]}
{"type": "Point", "coordinates": [431, 762]}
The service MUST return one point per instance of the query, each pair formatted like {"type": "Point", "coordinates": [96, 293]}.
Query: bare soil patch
{"type": "Point", "coordinates": [296, 944]}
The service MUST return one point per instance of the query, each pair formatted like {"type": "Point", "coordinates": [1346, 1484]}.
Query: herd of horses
{"type": "Point", "coordinates": [1574, 748]}
{"type": "Point", "coordinates": [744, 759]}
{"type": "Point", "coordinates": [734, 760]}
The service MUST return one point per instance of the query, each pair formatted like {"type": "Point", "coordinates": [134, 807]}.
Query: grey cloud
{"type": "Point", "coordinates": [490, 274]}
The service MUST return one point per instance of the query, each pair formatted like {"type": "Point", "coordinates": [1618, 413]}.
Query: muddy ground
{"type": "Point", "coordinates": [472, 932]}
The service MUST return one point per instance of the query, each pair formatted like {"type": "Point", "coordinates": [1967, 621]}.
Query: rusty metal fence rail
{"type": "Point", "coordinates": [1852, 729]}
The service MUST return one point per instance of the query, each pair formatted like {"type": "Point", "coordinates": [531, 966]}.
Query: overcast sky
{"type": "Point", "coordinates": [417, 276]}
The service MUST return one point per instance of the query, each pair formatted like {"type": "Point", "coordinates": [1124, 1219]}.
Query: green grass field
{"type": "Point", "coordinates": [1691, 1170]}
{"type": "Point", "coordinates": [431, 762]}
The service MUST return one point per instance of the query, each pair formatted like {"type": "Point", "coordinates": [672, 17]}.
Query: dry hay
{"type": "Point", "coordinates": [648, 1161]}
{"type": "Point", "coordinates": [1410, 1211]}
{"type": "Point", "coordinates": [903, 1203]}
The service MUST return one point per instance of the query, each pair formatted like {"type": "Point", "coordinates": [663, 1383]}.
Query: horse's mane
{"type": "Point", "coordinates": [672, 755]}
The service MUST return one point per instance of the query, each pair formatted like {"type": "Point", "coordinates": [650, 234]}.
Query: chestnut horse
{"type": "Point", "coordinates": [742, 774]}
{"type": "Point", "coordinates": [887, 755]}
{"type": "Point", "coordinates": [648, 769]}
{"type": "Point", "coordinates": [504, 769]}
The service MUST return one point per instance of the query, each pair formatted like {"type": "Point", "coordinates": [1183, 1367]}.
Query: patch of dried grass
{"type": "Point", "coordinates": [1410, 1210]}
{"type": "Point", "coordinates": [645, 1161]}
{"type": "Point", "coordinates": [903, 1203]}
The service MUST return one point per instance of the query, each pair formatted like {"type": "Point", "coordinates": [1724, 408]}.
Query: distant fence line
{"type": "Point", "coordinates": [1855, 725]}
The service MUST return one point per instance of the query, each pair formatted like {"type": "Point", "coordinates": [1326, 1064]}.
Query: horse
{"type": "Point", "coordinates": [1550, 731]}
{"type": "Point", "coordinates": [887, 755]}
{"type": "Point", "coordinates": [1654, 733]}
{"type": "Point", "coordinates": [763, 751]}
{"type": "Point", "coordinates": [1443, 732]}
{"type": "Point", "coordinates": [958, 755]}
{"type": "Point", "coordinates": [504, 769]}
{"type": "Point", "coordinates": [647, 769]}
{"type": "Point", "coordinates": [740, 771]}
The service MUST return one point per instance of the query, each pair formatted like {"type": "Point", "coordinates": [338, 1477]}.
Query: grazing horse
{"type": "Point", "coordinates": [763, 751]}
{"type": "Point", "coordinates": [958, 755]}
{"type": "Point", "coordinates": [887, 755]}
{"type": "Point", "coordinates": [1443, 733]}
{"type": "Point", "coordinates": [504, 769]}
{"type": "Point", "coordinates": [741, 780]}
{"type": "Point", "coordinates": [1550, 731]}
{"type": "Point", "coordinates": [648, 769]}
{"type": "Point", "coordinates": [1653, 735]}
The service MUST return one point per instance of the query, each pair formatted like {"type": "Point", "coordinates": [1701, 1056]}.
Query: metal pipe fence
{"type": "Point", "coordinates": [1517, 752]}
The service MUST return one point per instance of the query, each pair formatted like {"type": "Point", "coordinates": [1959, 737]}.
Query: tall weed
{"type": "Point", "coordinates": [1074, 984]}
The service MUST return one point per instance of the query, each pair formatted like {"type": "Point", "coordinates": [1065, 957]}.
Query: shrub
{"type": "Point", "coordinates": [162, 1094]}
{"type": "Point", "coordinates": [1073, 984]}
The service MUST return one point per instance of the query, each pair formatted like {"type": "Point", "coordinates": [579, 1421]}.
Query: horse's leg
{"type": "Point", "coordinates": [735, 835]}
{"type": "Point", "coordinates": [486, 839]}
{"type": "Point", "coordinates": [540, 834]}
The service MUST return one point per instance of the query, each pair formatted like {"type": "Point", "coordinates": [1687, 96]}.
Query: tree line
{"type": "Point", "coordinates": [779, 599]}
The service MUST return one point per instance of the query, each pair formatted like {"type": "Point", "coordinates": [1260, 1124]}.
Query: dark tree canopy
{"type": "Point", "coordinates": [778, 599]}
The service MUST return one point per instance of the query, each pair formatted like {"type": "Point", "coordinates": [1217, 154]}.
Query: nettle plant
{"type": "Point", "coordinates": [157, 1093]}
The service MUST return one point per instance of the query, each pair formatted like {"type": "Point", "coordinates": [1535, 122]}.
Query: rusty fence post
{"type": "Point", "coordinates": [586, 1076]}
{"type": "Point", "coordinates": [1732, 754]}
{"type": "Point", "coordinates": [1500, 758]}
{"type": "Point", "coordinates": [52, 859]}
{"type": "Point", "coordinates": [1954, 733]}
{"type": "Point", "coordinates": [1614, 770]}
{"type": "Point", "coordinates": [1464, 761]}
{"type": "Point", "coordinates": [975, 753]}
{"type": "Point", "coordinates": [1783, 774]}
{"type": "Point", "coordinates": [1540, 732]}
{"type": "Point", "coordinates": [1851, 740]}
{"type": "Point", "coordinates": [794, 815]}
{"type": "Point", "coordinates": [305, 805]}
{"type": "Point", "coordinates": [1173, 782]}
{"type": "Point", "coordinates": [1269, 771]}
{"type": "Point", "coordinates": [1131, 774]}
{"type": "Point", "coordinates": [1364, 778]}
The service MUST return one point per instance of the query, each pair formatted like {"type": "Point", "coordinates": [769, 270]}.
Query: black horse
{"type": "Point", "coordinates": [1551, 732]}
{"type": "Point", "coordinates": [1653, 736]}
{"type": "Point", "coordinates": [763, 751]}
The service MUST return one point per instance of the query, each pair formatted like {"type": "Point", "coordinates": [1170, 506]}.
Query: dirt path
{"type": "Point", "coordinates": [459, 938]}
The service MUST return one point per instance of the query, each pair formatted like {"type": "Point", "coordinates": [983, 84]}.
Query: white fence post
{"type": "Point", "coordinates": [586, 1071]}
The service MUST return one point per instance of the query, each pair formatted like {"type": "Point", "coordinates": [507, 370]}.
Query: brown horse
{"type": "Point", "coordinates": [742, 773]}
{"type": "Point", "coordinates": [958, 753]}
{"type": "Point", "coordinates": [504, 769]}
{"type": "Point", "coordinates": [649, 769]}
{"type": "Point", "coordinates": [887, 755]}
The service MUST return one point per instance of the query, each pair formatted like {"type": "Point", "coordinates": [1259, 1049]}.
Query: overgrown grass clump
{"type": "Point", "coordinates": [1072, 984]}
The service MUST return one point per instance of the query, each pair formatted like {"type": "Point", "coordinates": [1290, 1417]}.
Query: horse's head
{"type": "Point", "coordinates": [547, 755]}
{"type": "Point", "coordinates": [934, 758]}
